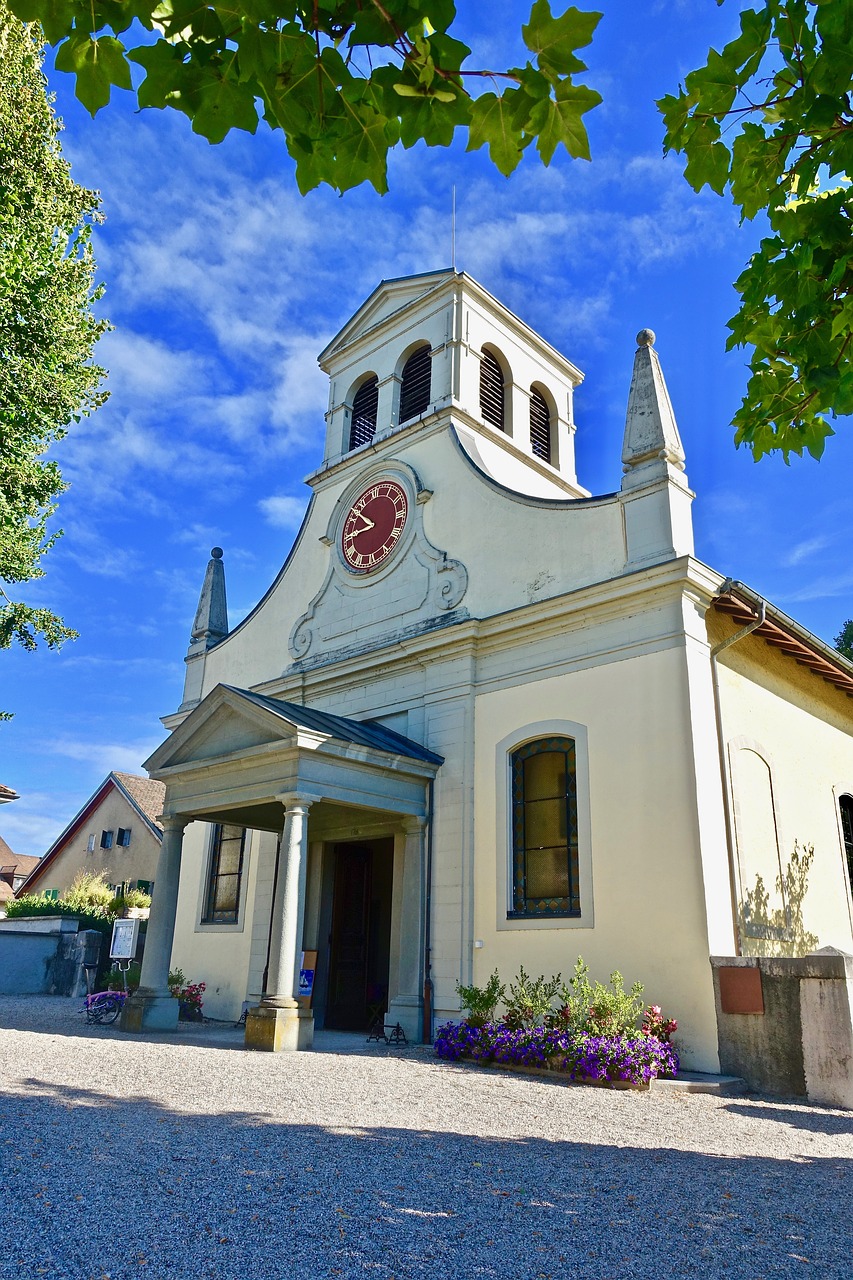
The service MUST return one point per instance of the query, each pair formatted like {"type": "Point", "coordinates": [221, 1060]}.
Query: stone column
{"type": "Point", "coordinates": [153, 1008]}
{"type": "Point", "coordinates": [278, 1023]}
{"type": "Point", "coordinates": [406, 1004]}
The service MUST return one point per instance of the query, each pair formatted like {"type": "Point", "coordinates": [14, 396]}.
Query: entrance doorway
{"type": "Point", "coordinates": [360, 936]}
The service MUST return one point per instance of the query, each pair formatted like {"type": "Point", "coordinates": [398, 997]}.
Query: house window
{"type": "Point", "coordinates": [845, 808]}
{"type": "Point", "coordinates": [106, 839]}
{"type": "Point", "coordinates": [364, 409]}
{"type": "Point", "coordinates": [492, 390]}
{"type": "Point", "coordinates": [145, 885]}
{"type": "Point", "coordinates": [51, 894]}
{"type": "Point", "coordinates": [123, 837]}
{"type": "Point", "coordinates": [415, 385]}
{"type": "Point", "coordinates": [90, 846]}
{"type": "Point", "coordinates": [226, 869]}
{"type": "Point", "coordinates": [540, 426]}
{"type": "Point", "coordinates": [545, 878]}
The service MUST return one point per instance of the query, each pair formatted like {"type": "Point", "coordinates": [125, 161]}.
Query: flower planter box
{"type": "Point", "coordinates": [555, 1073]}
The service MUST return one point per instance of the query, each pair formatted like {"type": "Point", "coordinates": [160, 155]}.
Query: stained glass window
{"type": "Point", "coordinates": [544, 829]}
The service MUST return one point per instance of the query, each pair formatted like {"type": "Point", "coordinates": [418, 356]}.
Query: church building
{"type": "Point", "coordinates": [484, 719]}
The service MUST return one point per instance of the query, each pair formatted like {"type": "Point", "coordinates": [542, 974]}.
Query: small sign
{"type": "Point", "coordinates": [307, 970]}
{"type": "Point", "coordinates": [125, 937]}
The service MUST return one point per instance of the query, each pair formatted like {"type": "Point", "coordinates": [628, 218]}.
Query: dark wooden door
{"type": "Point", "coordinates": [346, 1007]}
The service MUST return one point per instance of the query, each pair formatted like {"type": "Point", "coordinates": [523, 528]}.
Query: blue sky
{"type": "Point", "coordinates": [223, 284]}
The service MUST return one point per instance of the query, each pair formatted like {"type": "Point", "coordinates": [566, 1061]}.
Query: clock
{"type": "Point", "coordinates": [373, 526]}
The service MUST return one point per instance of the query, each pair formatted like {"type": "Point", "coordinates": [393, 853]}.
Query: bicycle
{"type": "Point", "coordinates": [103, 1007]}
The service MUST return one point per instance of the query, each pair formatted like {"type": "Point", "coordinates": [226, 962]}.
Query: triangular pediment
{"type": "Point", "coordinates": [387, 299]}
{"type": "Point", "coordinates": [224, 724]}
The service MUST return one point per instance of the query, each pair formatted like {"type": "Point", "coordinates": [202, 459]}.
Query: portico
{"type": "Point", "coordinates": [254, 762]}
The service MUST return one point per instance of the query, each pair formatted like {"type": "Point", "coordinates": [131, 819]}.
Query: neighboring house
{"type": "Point", "coordinates": [14, 869]}
{"type": "Point", "coordinates": [117, 832]}
{"type": "Point", "coordinates": [483, 719]}
{"type": "Point", "coordinates": [7, 794]}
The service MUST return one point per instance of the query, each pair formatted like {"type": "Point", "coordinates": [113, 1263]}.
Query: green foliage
{"type": "Point", "coordinates": [529, 1000]}
{"type": "Point", "coordinates": [481, 1002]}
{"type": "Point", "coordinates": [47, 329]}
{"type": "Point", "coordinates": [130, 898]}
{"type": "Point", "coordinates": [780, 931]}
{"type": "Point", "coordinates": [115, 980]}
{"type": "Point", "coordinates": [597, 1009]}
{"type": "Point", "coordinates": [770, 120]}
{"type": "Point", "coordinates": [344, 80]}
{"type": "Point", "coordinates": [844, 640]}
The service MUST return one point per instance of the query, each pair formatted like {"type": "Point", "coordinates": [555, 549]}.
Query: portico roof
{"type": "Point", "coordinates": [238, 753]}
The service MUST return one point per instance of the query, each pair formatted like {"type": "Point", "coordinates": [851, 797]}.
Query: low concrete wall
{"type": "Point", "coordinates": [786, 1025]}
{"type": "Point", "coordinates": [38, 962]}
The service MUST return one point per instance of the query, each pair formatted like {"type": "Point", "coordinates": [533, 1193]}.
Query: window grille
{"type": "Point", "coordinates": [544, 829]}
{"type": "Point", "coordinates": [226, 869]}
{"type": "Point", "coordinates": [540, 426]}
{"type": "Point", "coordinates": [492, 390]}
{"type": "Point", "coordinates": [416, 384]}
{"type": "Point", "coordinates": [364, 408]}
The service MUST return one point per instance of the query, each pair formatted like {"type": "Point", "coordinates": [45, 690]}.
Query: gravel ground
{"type": "Point", "coordinates": [188, 1157]}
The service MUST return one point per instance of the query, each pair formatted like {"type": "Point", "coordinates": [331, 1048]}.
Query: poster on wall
{"type": "Point", "coordinates": [307, 970]}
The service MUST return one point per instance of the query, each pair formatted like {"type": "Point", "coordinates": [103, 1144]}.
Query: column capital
{"type": "Point", "coordinates": [297, 800]}
{"type": "Point", "coordinates": [173, 822]}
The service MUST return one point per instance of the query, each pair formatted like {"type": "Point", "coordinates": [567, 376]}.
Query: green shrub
{"type": "Point", "coordinates": [597, 1009]}
{"type": "Point", "coordinates": [115, 979]}
{"type": "Point", "coordinates": [530, 1000]}
{"type": "Point", "coordinates": [481, 1002]}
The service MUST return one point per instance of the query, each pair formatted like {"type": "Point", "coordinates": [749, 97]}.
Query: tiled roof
{"type": "Point", "coordinates": [23, 864]}
{"type": "Point", "coordinates": [148, 794]}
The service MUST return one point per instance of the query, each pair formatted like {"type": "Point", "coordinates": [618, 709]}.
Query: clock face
{"type": "Point", "coordinates": [373, 526]}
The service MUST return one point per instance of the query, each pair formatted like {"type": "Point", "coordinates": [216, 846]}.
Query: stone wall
{"type": "Point", "coordinates": [786, 1025]}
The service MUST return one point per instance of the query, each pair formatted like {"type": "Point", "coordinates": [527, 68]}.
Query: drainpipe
{"type": "Point", "coordinates": [428, 987]}
{"type": "Point", "coordinates": [724, 767]}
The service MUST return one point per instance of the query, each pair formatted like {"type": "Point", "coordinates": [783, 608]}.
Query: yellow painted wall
{"type": "Point", "coordinates": [648, 895]}
{"type": "Point", "coordinates": [138, 861]}
{"type": "Point", "coordinates": [803, 728]}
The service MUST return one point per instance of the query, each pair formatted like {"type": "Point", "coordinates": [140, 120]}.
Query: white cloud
{"type": "Point", "coordinates": [805, 550]}
{"type": "Point", "coordinates": [107, 756]}
{"type": "Point", "coordinates": [283, 512]}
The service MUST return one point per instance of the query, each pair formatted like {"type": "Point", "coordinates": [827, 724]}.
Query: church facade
{"type": "Point", "coordinates": [484, 719]}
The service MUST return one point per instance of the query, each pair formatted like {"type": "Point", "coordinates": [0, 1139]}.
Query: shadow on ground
{"type": "Point", "coordinates": [98, 1188]}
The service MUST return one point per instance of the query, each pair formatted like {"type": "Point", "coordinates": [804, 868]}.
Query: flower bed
{"type": "Point", "coordinates": [616, 1059]}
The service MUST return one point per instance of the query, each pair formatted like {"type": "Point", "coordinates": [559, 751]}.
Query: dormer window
{"type": "Point", "coordinates": [416, 384]}
{"type": "Point", "coordinates": [540, 426]}
{"type": "Point", "coordinates": [364, 407]}
{"type": "Point", "coordinates": [492, 390]}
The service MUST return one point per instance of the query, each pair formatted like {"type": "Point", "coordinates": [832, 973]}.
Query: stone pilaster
{"type": "Point", "coordinates": [406, 1003]}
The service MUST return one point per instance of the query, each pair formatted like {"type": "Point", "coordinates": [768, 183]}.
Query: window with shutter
{"type": "Point", "coordinates": [123, 837]}
{"type": "Point", "coordinates": [492, 390]}
{"type": "Point", "coordinates": [364, 407]}
{"type": "Point", "coordinates": [106, 839]}
{"type": "Point", "coordinates": [540, 426]}
{"type": "Point", "coordinates": [416, 384]}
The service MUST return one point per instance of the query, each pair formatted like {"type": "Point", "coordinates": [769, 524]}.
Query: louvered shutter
{"type": "Point", "coordinates": [491, 390]}
{"type": "Point", "coordinates": [540, 426]}
{"type": "Point", "coordinates": [364, 406]}
{"type": "Point", "coordinates": [415, 389]}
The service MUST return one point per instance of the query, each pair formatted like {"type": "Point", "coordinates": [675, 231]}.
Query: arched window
{"type": "Point", "coordinates": [415, 384]}
{"type": "Point", "coordinates": [845, 808]}
{"type": "Point", "coordinates": [492, 390]}
{"type": "Point", "coordinates": [545, 829]}
{"type": "Point", "coordinates": [363, 422]}
{"type": "Point", "coordinates": [540, 425]}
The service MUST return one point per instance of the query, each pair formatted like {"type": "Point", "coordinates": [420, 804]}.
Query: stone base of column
{"type": "Point", "coordinates": [276, 1030]}
{"type": "Point", "coordinates": [150, 1011]}
{"type": "Point", "coordinates": [408, 1011]}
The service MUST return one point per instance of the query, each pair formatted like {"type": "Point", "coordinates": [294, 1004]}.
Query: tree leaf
{"type": "Point", "coordinates": [491, 122]}
{"type": "Point", "coordinates": [554, 40]}
{"type": "Point", "coordinates": [559, 120]}
{"type": "Point", "coordinates": [98, 64]}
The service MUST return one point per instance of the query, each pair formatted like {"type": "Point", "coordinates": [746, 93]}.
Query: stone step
{"type": "Point", "coordinates": [703, 1082]}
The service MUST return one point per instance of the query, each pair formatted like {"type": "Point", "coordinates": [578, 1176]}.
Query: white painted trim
{"type": "Point", "coordinates": [503, 830]}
